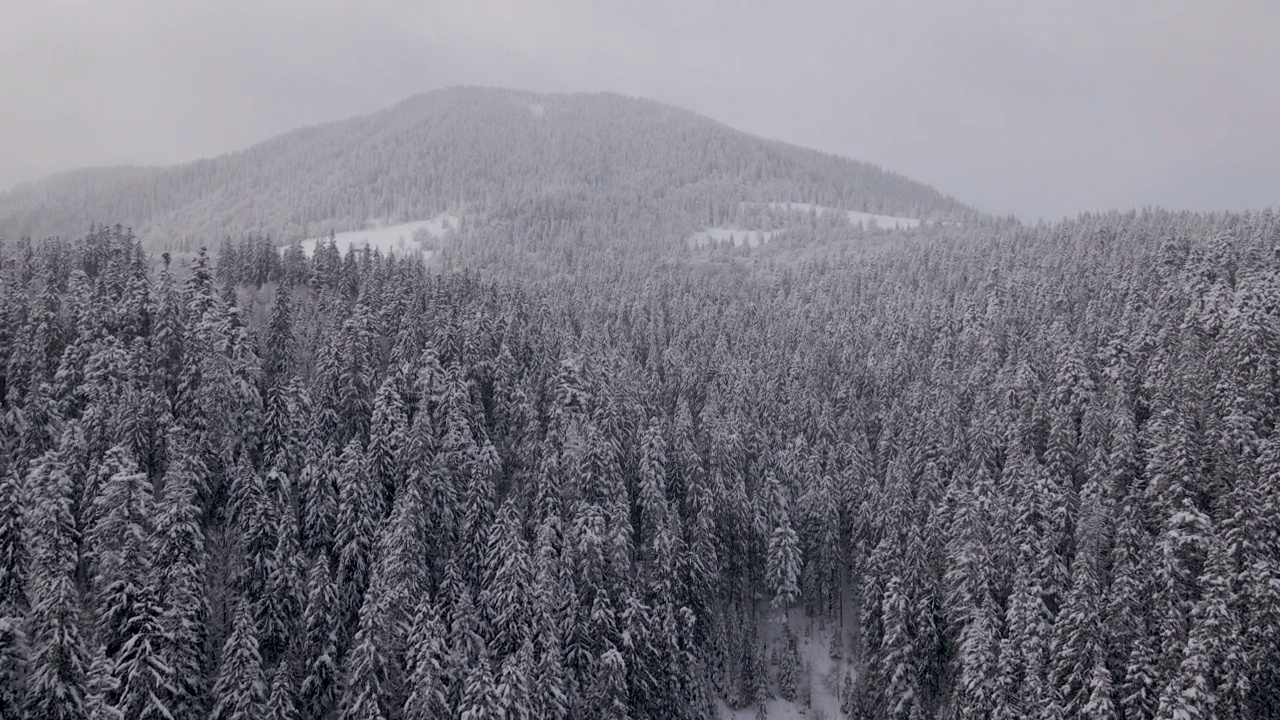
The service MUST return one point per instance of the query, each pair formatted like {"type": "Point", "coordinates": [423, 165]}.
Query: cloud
{"type": "Point", "coordinates": [1040, 109]}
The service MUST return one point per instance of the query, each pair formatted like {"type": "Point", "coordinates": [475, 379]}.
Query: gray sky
{"type": "Point", "coordinates": [1035, 108]}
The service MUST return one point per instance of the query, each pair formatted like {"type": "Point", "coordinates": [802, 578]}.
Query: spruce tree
{"type": "Point", "coordinates": [13, 668]}
{"type": "Point", "coordinates": [179, 578]}
{"type": "Point", "coordinates": [240, 690]}
{"type": "Point", "coordinates": [56, 681]}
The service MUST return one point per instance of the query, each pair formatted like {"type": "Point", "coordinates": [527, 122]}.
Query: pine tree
{"type": "Point", "coordinates": [13, 548]}
{"type": "Point", "coordinates": [279, 353]}
{"type": "Point", "coordinates": [13, 668]}
{"type": "Point", "coordinates": [179, 574]}
{"type": "Point", "coordinates": [480, 692]}
{"type": "Point", "coordinates": [788, 665]}
{"type": "Point", "coordinates": [1078, 641]}
{"type": "Point", "coordinates": [895, 661]}
{"type": "Point", "coordinates": [610, 687]}
{"type": "Point", "coordinates": [318, 495]}
{"type": "Point", "coordinates": [365, 694]}
{"type": "Point", "coordinates": [784, 551]}
{"type": "Point", "coordinates": [387, 438]}
{"type": "Point", "coordinates": [255, 517]}
{"type": "Point", "coordinates": [56, 683]}
{"type": "Point", "coordinates": [970, 577]}
{"type": "Point", "coordinates": [282, 702]}
{"type": "Point", "coordinates": [278, 610]}
{"type": "Point", "coordinates": [755, 676]}
{"type": "Point", "coordinates": [428, 695]}
{"type": "Point", "coordinates": [240, 692]}
{"type": "Point", "coordinates": [1100, 706]}
{"type": "Point", "coordinates": [514, 691]}
{"type": "Point", "coordinates": [317, 693]}
{"type": "Point", "coordinates": [508, 581]}
{"type": "Point", "coordinates": [119, 538]}
{"type": "Point", "coordinates": [356, 533]}
{"type": "Point", "coordinates": [1211, 662]}
{"type": "Point", "coordinates": [478, 516]}
{"type": "Point", "coordinates": [143, 683]}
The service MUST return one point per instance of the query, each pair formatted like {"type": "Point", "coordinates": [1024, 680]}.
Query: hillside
{"type": "Point", "coordinates": [961, 473]}
{"type": "Point", "coordinates": [482, 151]}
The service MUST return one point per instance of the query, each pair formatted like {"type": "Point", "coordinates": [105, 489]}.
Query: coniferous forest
{"type": "Point", "coordinates": [1007, 472]}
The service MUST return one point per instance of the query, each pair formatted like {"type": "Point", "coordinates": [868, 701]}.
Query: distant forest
{"type": "Point", "coordinates": [1010, 472]}
{"type": "Point", "coordinates": [471, 151]}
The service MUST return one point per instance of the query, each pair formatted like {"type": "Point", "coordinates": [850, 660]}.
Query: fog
{"type": "Point", "coordinates": [1040, 110]}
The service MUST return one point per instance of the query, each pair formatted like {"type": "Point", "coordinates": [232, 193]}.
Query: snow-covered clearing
{"type": "Point", "coordinates": [887, 222]}
{"type": "Point", "coordinates": [755, 237]}
{"type": "Point", "coordinates": [751, 237]}
{"type": "Point", "coordinates": [538, 109]}
{"type": "Point", "coordinates": [400, 239]}
{"type": "Point", "coordinates": [819, 673]}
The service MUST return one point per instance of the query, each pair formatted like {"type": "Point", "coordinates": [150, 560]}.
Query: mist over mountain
{"type": "Point", "coordinates": [472, 150]}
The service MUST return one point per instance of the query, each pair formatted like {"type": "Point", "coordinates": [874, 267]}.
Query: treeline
{"type": "Point", "coordinates": [1026, 472]}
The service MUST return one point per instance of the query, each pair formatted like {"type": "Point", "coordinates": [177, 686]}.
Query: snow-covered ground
{"type": "Point", "coordinates": [755, 237]}
{"type": "Point", "coordinates": [823, 679]}
{"type": "Point", "coordinates": [719, 234]}
{"type": "Point", "coordinates": [398, 239]}
{"type": "Point", "coordinates": [887, 222]}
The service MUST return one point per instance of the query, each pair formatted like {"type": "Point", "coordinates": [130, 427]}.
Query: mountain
{"type": "Point", "coordinates": [468, 149]}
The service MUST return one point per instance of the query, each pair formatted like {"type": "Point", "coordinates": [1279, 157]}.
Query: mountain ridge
{"type": "Point", "coordinates": [464, 147]}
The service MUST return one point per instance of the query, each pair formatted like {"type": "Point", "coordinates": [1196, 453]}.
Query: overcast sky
{"type": "Point", "coordinates": [1034, 108]}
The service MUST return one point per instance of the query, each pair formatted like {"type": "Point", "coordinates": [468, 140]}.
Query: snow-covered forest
{"type": "Point", "coordinates": [463, 150]}
{"type": "Point", "coordinates": [1004, 471]}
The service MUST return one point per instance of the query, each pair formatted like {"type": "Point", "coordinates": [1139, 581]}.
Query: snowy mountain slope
{"type": "Point", "coordinates": [753, 238]}
{"type": "Point", "coordinates": [782, 215]}
{"type": "Point", "coordinates": [866, 219]}
{"type": "Point", "coordinates": [626, 162]}
{"type": "Point", "coordinates": [401, 238]}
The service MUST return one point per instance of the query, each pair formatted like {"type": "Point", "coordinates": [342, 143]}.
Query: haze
{"type": "Point", "coordinates": [1040, 110]}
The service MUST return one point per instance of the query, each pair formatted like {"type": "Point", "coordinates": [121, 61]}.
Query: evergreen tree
{"type": "Point", "coordinates": [119, 536]}
{"type": "Point", "coordinates": [282, 702]}
{"type": "Point", "coordinates": [428, 694]}
{"type": "Point", "coordinates": [13, 669]}
{"type": "Point", "coordinates": [240, 690]}
{"type": "Point", "coordinates": [317, 694]}
{"type": "Point", "coordinates": [355, 532]}
{"type": "Point", "coordinates": [479, 692]}
{"type": "Point", "coordinates": [788, 665]}
{"type": "Point", "coordinates": [13, 548]}
{"type": "Point", "coordinates": [56, 682]}
{"type": "Point", "coordinates": [784, 551]}
{"type": "Point", "coordinates": [179, 577]}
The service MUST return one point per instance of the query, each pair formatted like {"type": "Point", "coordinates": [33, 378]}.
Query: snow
{"type": "Point", "coordinates": [753, 238]}
{"type": "Point", "coordinates": [887, 222]}
{"type": "Point", "coordinates": [391, 238]}
{"type": "Point", "coordinates": [824, 678]}
{"type": "Point", "coordinates": [538, 109]}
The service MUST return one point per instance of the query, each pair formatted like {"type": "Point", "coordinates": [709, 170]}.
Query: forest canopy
{"type": "Point", "coordinates": [1007, 471]}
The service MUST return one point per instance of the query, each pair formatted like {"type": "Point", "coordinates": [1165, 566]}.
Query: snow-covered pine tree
{"type": "Point", "coordinates": [56, 681]}
{"type": "Point", "coordinates": [784, 561]}
{"type": "Point", "coordinates": [321, 677]}
{"type": "Point", "coordinates": [240, 690]}
{"type": "Point", "coordinates": [789, 668]}
{"type": "Point", "coordinates": [14, 555]}
{"type": "Point", "coordinates": [427, 691]}
{"type": "Point", "coordinates": [179, 577]}
{"type": "Point", "coordinates": [13, 668]}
